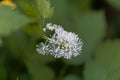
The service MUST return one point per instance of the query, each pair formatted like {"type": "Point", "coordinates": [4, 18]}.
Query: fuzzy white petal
{"type": "Point", "coordinates": [61, 44]}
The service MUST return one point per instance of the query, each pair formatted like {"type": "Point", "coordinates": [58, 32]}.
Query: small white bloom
{"type": "Point", "coordinates": [61, 44]}
{"type": "Point", "coordinates": [50, 26]}
{"type": "Point", "coordinates": [44, 29]}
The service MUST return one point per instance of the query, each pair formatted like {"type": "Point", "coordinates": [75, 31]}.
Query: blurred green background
{"type": "Point", "coordinates": [95, 21]}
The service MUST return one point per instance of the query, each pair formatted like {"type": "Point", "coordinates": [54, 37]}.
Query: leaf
{"type": "Point", "coordinates": [44, 8]}
{"type": "Point", "coordinates": [114, 3]}
{"type": "Point", "coordinates": [11, 20]}
{"type": "Point", "coordinates": [33, 29]}
{"type": "Point", "coordinates": [28, 8]}
{"type": "Point", "coordinates": [39, 72]}
{"type": "Point", "coordinates": [16, 44]}
{"type": "Point", "coordinates": [90, 28]}
{"type": "Point", "coordinates": [105, 65]}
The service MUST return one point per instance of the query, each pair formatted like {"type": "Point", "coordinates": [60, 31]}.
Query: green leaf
{"type": "Point", "coordinates": [11, 20]}
{"type": "Point", "coordinates": [44, 8]}
{"type": "Point", "coordinates": [16, 44]}
{"type": "Point", "coordinates": [91, 29]}
{"type": "Point", "coordinates": [28, 8]}
{"type": "Point", "coordinates": [33, 29]}
{"type": "Point", "coordinates": [114, 3]}
{"type": "Point", "coordinates": [105, 65]}
{"type": "Point", "coordinates": [39, 72]}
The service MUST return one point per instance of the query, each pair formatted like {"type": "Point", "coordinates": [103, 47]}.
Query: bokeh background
{"type": "Point", "coordinates": [97, 22]}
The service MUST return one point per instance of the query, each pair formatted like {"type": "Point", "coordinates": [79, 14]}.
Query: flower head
{"type": "Point", "coordinates": [61, 44]}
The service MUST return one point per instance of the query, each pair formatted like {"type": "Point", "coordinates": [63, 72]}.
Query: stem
{"type": "Point", "coordinates": [44, 37]}
{"type": "Point", "coordinates": [62, 72]}
{"type": "Point", "coordinates": [43, 21]}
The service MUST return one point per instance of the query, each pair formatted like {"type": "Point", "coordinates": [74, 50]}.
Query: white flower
{"type": "Point", "coordinates": [61, 44]}
{"type": "Point", "coordinates": [50, 26]}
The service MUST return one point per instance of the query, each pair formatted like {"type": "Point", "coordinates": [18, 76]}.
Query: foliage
{"type": "Point", "coordinates": [105, 65]}
{"type": "Point", "coordinates": [95, 21]}
{"type": "Point", "coordinates": [8, 25]}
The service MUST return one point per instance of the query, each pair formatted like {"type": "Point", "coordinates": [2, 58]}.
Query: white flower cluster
{"type": "Point", "coordinates": [61, 44]}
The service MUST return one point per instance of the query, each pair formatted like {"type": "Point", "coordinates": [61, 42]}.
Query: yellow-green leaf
{"type": "Point", "coordinates": [44, 8]}
{"type": "Point", "coordinates": [33, 29]}
{"type": "Point", "coordinates": [28, 8]}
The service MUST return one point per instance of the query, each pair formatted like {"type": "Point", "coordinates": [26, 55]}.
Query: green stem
{"type": "Point", "coordinates": [45, 37]}
{"type": "Point", "coordinates": [43, 21]}
{"type": "Point", "coordinates": [62, 72]}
